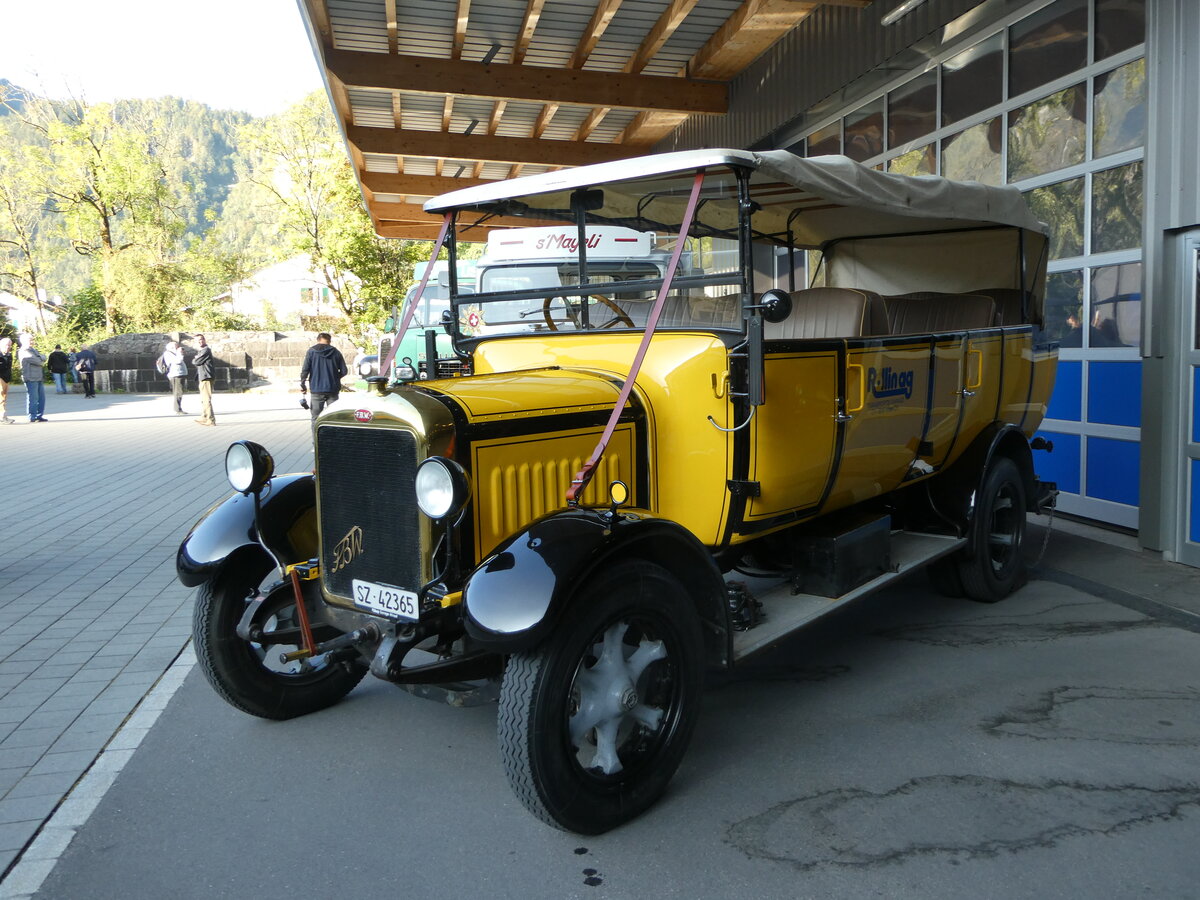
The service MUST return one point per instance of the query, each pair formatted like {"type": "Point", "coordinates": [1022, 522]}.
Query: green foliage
{"type": "Point", "coordinates": [145, 212]}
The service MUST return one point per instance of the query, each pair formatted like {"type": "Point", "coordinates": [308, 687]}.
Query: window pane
{"type": "Point", "coordinates": [1048, 134]}
{"type": "Point", "coordinates": [1061, 207]}
{"type": "Point", "coordinates": [1116, 306]}
{"type": "Point", "coordinates": [973, 80]}
{"type": "Point", "coordinates": [912, 110]}
{"type": "Point", "coordinates": [1120, 24]}
{"type": "Point", "coordinates": [864, 131]}
{"type": "Point", "coordinates": [827, 140]}
{"type": "Point", "coordinates": [1117, 208]}
{"type": "Point", "coordinates": [1064, 307]}
{"type": "Point", "coordinates": [974, 154]}
{"type": "Point", "coordinates": [1047, 45]}
{"type": "Point", "coordinates": [921, 161]}
{"type": "Point", "coordinates": [1196, 305]}
{"type": "Point", "coordinates": [1119, 107]}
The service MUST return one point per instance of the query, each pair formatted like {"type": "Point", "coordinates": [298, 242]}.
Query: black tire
{"type": "Point", "coordinates": [610, 771]}
{"type": "Point", "coordinates": [993, 566]}
{"type": "Point", "coordinates": [246, 675]}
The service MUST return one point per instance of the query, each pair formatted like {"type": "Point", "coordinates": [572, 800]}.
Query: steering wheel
{"type": "Point", "coordinates": [620, 316]}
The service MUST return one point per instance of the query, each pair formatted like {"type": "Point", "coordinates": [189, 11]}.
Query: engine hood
{"type": "Point", "coordinates": [529, 393]}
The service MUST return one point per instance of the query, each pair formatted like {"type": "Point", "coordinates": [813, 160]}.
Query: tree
{"type": "Point", "coordinates": [23, 251]}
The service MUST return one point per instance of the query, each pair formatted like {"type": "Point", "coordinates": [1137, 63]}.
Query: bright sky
{"type": "Point", "coordinates": [252, 55]}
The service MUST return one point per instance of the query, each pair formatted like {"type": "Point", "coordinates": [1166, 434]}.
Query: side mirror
{"type": "Point", "coordinates": [406, 371]}
{"type": "Point", "coordinates": [447, 321]}
{"type": "Point", "coordinates": [776, 305]}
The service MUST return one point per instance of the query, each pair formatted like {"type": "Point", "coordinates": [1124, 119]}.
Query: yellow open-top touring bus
{"type": "Point", "coordinates": [702, 399]}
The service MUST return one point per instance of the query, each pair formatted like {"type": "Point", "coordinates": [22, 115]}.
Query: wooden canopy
{"type": "Point", "coordinates": [437, 95]}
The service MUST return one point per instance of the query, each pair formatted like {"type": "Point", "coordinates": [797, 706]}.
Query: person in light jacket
{"type": "Point", "coordinates": [33, 371]}
{"type": "Point", "coordinates": [176, 371]}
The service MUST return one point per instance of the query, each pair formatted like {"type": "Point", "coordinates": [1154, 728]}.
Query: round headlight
{"type": "Point", "coordinates": [441, 486]}
{"type": "Point", "coordinates": [248, 466]}
{"type": "Point", "coordinates": [366, 368]}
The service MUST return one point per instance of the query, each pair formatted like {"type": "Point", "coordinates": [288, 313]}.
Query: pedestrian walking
{"type": "Point", "coordinates": [85, 363]}
{"type": "Point", "coordinates": [33, 372]}
{"type": "Point", "coordinates": [323, 370]}
{"type": "Point", "coordinates": [5, 377]}
{"type": "Point", "coordinates": [172, 365]}
{"type": "Point", "coordinates": [204, 375]}
{"type": "Point", "coordinates": [73, 359]}
{"type": "Point", "coordinates": [59, 364]}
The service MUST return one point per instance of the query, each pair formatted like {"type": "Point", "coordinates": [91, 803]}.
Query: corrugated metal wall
{"type": "Point", "coordinates": [826, 52]}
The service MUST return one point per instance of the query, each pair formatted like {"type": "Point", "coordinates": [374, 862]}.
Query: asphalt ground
{"type": "Point", "coordinates": [908, 746]}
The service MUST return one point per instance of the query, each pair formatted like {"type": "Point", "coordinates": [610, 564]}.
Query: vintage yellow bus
{"type": "Point", "coordinates": [703, 398]}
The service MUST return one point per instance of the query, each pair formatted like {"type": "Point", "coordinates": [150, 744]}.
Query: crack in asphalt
{"type": "Point", "coordinates": [957, 817]}
{"type": "Point", "coordinates": [1113, 714]}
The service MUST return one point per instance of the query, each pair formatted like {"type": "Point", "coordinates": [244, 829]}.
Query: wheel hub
{"type": "Point", "coordinates": [608, 710]}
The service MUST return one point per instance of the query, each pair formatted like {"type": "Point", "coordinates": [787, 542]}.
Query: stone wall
{"type": "Point", "coordinates": [241, 360]}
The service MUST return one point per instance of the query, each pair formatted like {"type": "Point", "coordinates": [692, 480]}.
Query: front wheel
{"type": "Point", "coordinates": [594, 722]}
{"type": "Point", "coordinates": [247, 675]}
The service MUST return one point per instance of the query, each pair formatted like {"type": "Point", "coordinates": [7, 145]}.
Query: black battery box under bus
{"type": "Point", "coordinates": [846, 552]}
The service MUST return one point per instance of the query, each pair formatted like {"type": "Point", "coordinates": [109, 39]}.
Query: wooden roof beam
{"type": "Point", "coordinates": [753, 27]}
{"type": "Point", "coordinates": [414, 213]}
{"type": "Point", "coordinates": [415, 185]}
{"type": "Point", "coordinates": [389, 11]}
{"type": "Point", "coordinates": [533, 12]}
{"type": "Point", "coordinates": [460, 28]}
{"type": "Point", "coordinates": [439, 145]}
{"type": "Point", "coordinates": [666, 26]}
{"type": "Point", "coordinates": [601, 18]}
{"type": "Point", "coordinates": [504, 81]}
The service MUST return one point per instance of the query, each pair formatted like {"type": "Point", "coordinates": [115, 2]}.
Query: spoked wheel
{"type": "Point", "coordinates": [993, 566]}
{"type": "Point", "coordinates": [594, 722]}
{"type": "Point", "coordinates": [249, 675]}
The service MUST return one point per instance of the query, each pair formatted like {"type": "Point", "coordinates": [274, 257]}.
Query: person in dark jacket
{"type": "Point", "coordinates": [59, 364]}
{"type": "Point", "coordinates": [203, 361]}
{"type": "Point", "coordinates": [85, 365]}
{"type": "Point", "coordinates": [323, 370]}
{"type": "Point", "coordinates": [5, 378]}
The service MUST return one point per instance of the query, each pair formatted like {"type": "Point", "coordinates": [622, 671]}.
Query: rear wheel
{"type": "Point", "coordinates": [594, 722]}
{"type": "Point", "coordinates": [993, 567]}
{"type": "Point", "coordinates": [248, 675]}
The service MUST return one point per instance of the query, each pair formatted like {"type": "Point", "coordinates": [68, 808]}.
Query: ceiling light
{"type": "Point", "coordinates": [900, 12]}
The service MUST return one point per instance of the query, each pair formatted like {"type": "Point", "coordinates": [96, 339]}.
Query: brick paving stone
{"type": "Point", "coordinates": [89, 623]}
{"type": "Point", "coordinates": [37, 785]}
{"type": "Point", "coordinates": [15, 835]}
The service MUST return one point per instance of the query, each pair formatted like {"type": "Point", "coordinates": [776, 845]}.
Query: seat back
{"type": "Point", "coordinates": [925, 312]}
{"type": "Point", "coordinates": [1008, 304]}
{"type": "Point", "coordinates": [825, 313]}
{"type": "Point", "coordinates": [683, 311]}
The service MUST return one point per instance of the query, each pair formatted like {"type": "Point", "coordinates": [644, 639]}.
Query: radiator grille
{"type": "Point", "coordinates": [370, 524]}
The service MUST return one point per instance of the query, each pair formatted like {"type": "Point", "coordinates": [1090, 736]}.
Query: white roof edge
{"type": "Point", "coordinates": [598, 173]}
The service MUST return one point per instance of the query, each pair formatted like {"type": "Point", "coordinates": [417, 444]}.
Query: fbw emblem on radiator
{"type": "Point", "coordinates": [347, 549]}
{"type": "Point", "coordinates": [364, 415]}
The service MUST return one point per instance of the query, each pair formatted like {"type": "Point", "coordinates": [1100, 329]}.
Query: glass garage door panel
{"type": "Point", "coordinates": [1065, 402]}
{"type": "Point", "coordinates": [1115, 393]}
{"type": "Point", "coordinates": [1062, 464]}
{"type": "Point", "coordinates": [1112, 470]}
{"type": "Point", "coordinates": [1194, 524]}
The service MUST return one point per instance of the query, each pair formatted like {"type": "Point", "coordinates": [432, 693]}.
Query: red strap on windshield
{"type": "Point", "coordinates": [416, 298]}
{"type": "Point", "coordinates": [580, 482]}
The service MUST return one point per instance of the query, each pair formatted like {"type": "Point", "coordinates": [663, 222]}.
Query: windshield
{"type": "Point", "coordinates": [544, 278]}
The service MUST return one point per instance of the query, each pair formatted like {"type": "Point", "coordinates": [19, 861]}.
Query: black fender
{"type": "Point", "coordinates": [288, 519]}
{"type": "Point", "coordinates": [515, 597]}
{"type": "Point", "coordinates": [954, 490]}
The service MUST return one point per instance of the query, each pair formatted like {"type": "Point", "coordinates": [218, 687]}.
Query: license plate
{"type": "Point", "coordinates": [385, 600]}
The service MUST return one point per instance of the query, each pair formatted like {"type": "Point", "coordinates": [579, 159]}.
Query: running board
{"type": "Point", "coordinates": [786, 612]}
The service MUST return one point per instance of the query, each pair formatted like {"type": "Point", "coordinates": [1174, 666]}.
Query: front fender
{"type": "Point", "coordinates": [288, 505]}
{"type": "Point", "coordinates": [516, 595]}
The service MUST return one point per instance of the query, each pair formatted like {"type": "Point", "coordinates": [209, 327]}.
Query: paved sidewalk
{"type": "Point", "coordinates": [91, 615]}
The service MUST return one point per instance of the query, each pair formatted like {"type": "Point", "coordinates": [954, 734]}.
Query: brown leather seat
{"type": "Point", "coordinates": [684, 311]}
{"type": "Point", "coordinates": [1008, 304]}
{"type": "Point", "coordinates": [825, 312]}
{"type": "Point", "coordinates": [925, 312]}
